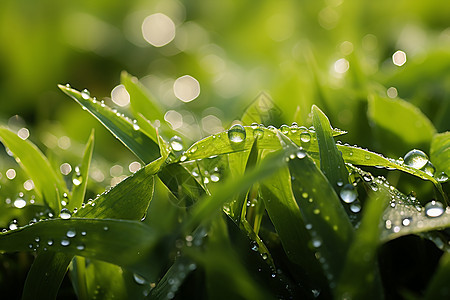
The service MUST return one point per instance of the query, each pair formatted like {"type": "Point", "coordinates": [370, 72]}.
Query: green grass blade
{"type": "Point", "coordinates": [45, 285]}
{"type": "Point", "coordinates": [127, 200]}
{"type": "Point", "coordinates": [438, 286]}
{"type": "Point", "coordinates": [285, 215]}
{"type": "Point", "coordinates": [124, 243]}
{"type": "Point", "coordinates": [143, 103]}
{"type": "Point", "coordinates": [440, 152]}
{"type": "Point", "coordinates": [360, 278]}
{"type": "Point", "coordinates": [123, 129]}
{"type": "Point", "coordinates": [331, 162]}
{"type": "Point", "coordinates": [48, 183]}
{"type": "Point", "coordinates": [414, 129]}
{"type": "Point", "coordinates": [105, 281]}
{"type": "Point", "coordinates": [322, 211]}
{"type": "Point", "coordinates": [79, 191]}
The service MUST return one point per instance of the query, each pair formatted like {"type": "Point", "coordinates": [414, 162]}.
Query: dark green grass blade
{"type": "Point", "coordinates": [322, 211]}
{"type": "Point", "coordinates": [440, 152]}
{"type": "Point", "coordinates": [46, 275]}
{"type": "Point", "coordinates": [438, 286]}
{"type": "Point", "coordinates": [124, 243]}
{"type": "Point", "coordinates": [48, 183]}
{"type": "Point", "coordinates": [123, 129]}
{"type": "Point", "coordinates": [287, 219]}
{"type": "Point", "coordinates": [360, 278]}
{"type": "Point", "coordinates": [331, 162]}
{"type": "Point", "coordinates": [79, 191]}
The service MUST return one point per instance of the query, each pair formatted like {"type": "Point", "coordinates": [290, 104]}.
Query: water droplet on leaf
{"type": "Point", "coordinates": [65, 214]}
{"type": "Point", "coordinates": [348, 193]}
{"type": "Point", "coordinates": [305, 137]}
{"type": "Point", "coordinates": [236, 134]}
{"type": "Point", "coordinates": [71, 233]}
{"type": "Point", "coordinates": [176, 143]}
{"type": "Point", "coordinates": [85, 94]}
{"type": "Point", "coordinates": [434, 209]}
{"type": "Point", "coordinates": [416, 159]}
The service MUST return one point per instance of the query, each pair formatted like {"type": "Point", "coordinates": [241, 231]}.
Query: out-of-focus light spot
{"type": "Point", "coordinates": [328, 18]}
{"type": "Point", "coordinates": [369, 42]}
{"type": "Point", "coordinates": [341, 66]}
{"type": "Point", "coordinates": [211, 124]}
{"type": "Point", "coordinates": [116, 170]}
{"type": "Point", "coordinates": [158, 29]}
{"type": "Point", "coordinates": [174, 118]}
{"type": "Point", "coordinates": [19, 203]}
{"type": "Point", "coordinates": [65, 168]}
{"type": "Point", "coordinates": [392, 92]}
{"type": "Point", "coordinates": [28, 185]}
{"type": "Point", "coordinates": [186, 88]}
{"type": "Point", "coordinates": [23, 133]}
{"type": "Point", "coordinates": [97, 175]}
{"type": "Point", "coordinates": [64, 142]}
{"type": "Point", "coordinates": [134, 166]}
{"type": "Point", "coordinates": [120, 96]}
{"type": "Point", "coordinates": [16, 122]}
{"type": "Point", "coordinates": [280, 27]}
{"type": "Point", "coordinates": [346, 47]}
{"type": "Point", "coordinates": [399, 58]}
{"type": "Point", "coordinates": [10, 174]}
{"type": "Point", "coordinates": [190, 36]}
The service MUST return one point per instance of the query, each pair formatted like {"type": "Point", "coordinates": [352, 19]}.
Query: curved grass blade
{"type": "Point", "coordinates": [124, 243]}
{"type": "Point", "coordinates": [123, 129]}
{"type": "Point", "coordinates": [47, 182]}
{"type": "Point", "coordinates": [331, 162]}
{"type": "Point", "coordinates": [45, 285]}
{"type": "Point", "coordinates": [79, 191]}
{"type": "Point", "coordinates": [438, 286]}
{"type": "Point", "coordinates": [440, 152]}
{"type": "Point", "coordinates": [328, 224]}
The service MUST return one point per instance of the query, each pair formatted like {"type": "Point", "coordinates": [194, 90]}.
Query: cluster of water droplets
{"type": "Point", "coordinates": [419, 160]}
{"type": "Point", "coordinates": [70, 238]}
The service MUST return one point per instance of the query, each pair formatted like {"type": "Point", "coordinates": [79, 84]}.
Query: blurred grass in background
{"type": "Point", "coordinates": [333, 53]}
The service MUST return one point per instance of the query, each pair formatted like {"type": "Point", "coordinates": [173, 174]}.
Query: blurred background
{"type": "Point", "coordinates": [205, 62]}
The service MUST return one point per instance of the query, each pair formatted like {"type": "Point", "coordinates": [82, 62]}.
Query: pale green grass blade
{"type": "Point", "coordinates": [440, 153]}
{"type": "Point", "coordinates": [328, 224]}
{"type": "Point", "coordinates": [124, 243]}
{"type": "Point", "coordinates": [331, 162]}
{"type": "Point", "coordinates": [438, 286]}
{"type": "Point", "coordinates": [42, 284]}
{"type": "Point", "coordinates": [79, 191]}
{"type": "Point", "coordinates": [123, 129]}
{"type": "Point", "coordinates": [47, 182]}
{"type": "Point", "coordinates": [399, 124]}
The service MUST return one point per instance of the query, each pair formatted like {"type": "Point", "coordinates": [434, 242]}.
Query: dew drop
{"type": "Point", "coordinates": [105, 228]}
{"type": "Point", "coordinates": [258, 133]}
{"type": "Point", "coordinates": [254, 246]}
{"type": "Point", "coordinates": [429, 168]}
{"type": "Point", "coordinates": [316, 242]}
{"type": "Point", "coordinates": [442, 177]}
{"type": "Point", "coordinates": [65, 242]}
{"type": "Point", "coordinates": [81, 247]}
{"type": "Point", "coordinates": [236, 134]}
{"type": "Point", "coordinates": [416, 159]}
{"type": "Point", "coordinates": [85, 94]}
{"type": "Point", "coordinates": [50, 242]}
{"type": "Point", "coordinates": [434, 209]}
{"type": "Point", "coordinates": [65, 214]}
{"type": "Point", "coordinates": [284, 129]}
{"type": "Point", "coordinates": [136, 126]}
{"type": "Point", "coordinates": [348, 193]}
{"type": "Point", "coordinates": [254, 125]}
{"type": "Point", "coordinates": [355, 207]}
{"type": "Point", "coordinates": [406, 221]}
{"type": "Point", "coordinates": [71, 233]}
{"type": "Point", "coordinates": [176, 143]}
{"type": "Point", "coordinates": [138, 279]}
{"type": "Point", "coordinates": [301, 154]}
{"type": "Point", "coordinates": [305, 137]}
{"type": "Point", "coordinates": [215, 177]}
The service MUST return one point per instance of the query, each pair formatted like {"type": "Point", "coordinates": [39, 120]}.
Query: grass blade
{"type": "Point", "coordinates": [440, 152]}
{"type": "Point", "coordinates": [79, 190]}
{"type": "Point", "coordinates": [123, 129]}
{"type": "Point", "coordinates": [438, 286]}
{"type": "Point", "coordinates": [48, 183]}
{"type": "Point", "coordinates": [45, 285]}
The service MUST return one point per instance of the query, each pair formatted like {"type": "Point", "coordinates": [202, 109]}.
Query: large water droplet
{"type": "Point", "coordinates": [429, 168]}
{"type": "Point", "coordinates": [348, 193]}
{"type": "Point", "coordinates": [236, 134]}
{"type": "Point", "coordinates": [416, 159]}
{"type": "Point", "coordinates": [65, 242]}
{"type": "Point", "coordinates": [434, 209]}
{"type": "Point", "coordinates": [176, 143]}
{"type": "Point", "coordinates": [305, 137]}
{"type": "Point", "coordinates": [284, 129]}
{"type": "Point", "coordinates": [65, 214]}
{"type": "Point", "coordinates": [71, 233]}
{"type": "Point", "coordinates": [85, 94]}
